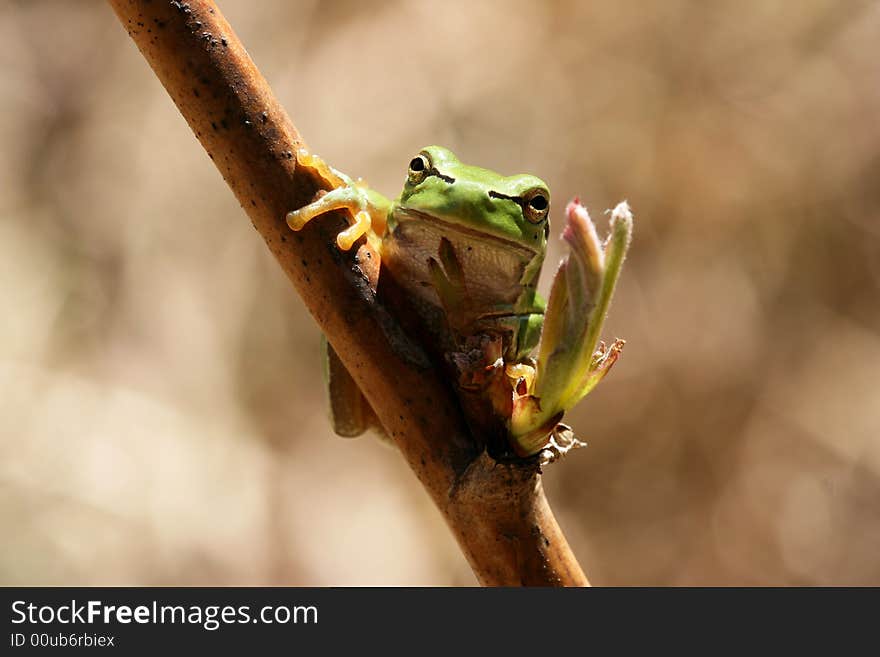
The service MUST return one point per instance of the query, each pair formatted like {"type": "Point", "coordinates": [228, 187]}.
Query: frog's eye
{"type": "Point", "coordinates": [536, 205]}
{"type": "Point", "coordinates": [419, 168]}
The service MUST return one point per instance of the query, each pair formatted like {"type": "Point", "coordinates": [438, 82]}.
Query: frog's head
{"type": "Point", "coordinates": [478, 201]}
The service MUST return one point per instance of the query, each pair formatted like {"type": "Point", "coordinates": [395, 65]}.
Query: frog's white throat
{"type": "Point", "coordinates": [493, 266]}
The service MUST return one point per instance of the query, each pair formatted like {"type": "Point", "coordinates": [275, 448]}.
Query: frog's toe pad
{"type": "Point", "coordinates": [296, 219]}
{"type": "Point", "coordinates": [346, 239]}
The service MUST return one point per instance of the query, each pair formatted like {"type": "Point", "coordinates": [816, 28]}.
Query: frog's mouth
{"type": "Point", "coordinates": [407, 215]}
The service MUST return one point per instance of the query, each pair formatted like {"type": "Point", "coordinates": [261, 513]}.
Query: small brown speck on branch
{"type": "Point", "coordinates": [498, 512]}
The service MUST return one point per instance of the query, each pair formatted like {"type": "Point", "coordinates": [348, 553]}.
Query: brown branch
{"type": "Point", "coordinates": [497, 512]}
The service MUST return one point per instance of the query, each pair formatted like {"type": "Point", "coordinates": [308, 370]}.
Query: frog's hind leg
{"type": "Point", "coordinates": [350, 413]}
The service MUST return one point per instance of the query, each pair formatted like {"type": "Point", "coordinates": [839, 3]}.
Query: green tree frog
{"type": "Point", "coordinates": [467, 245]}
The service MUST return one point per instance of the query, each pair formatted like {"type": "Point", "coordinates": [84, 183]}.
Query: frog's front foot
{"type": "Point", "coordinates": [347, 194]}
{"type": "Point", "coordinates": [571, 360]}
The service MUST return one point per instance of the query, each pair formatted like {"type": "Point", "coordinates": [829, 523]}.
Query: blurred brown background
{"type": "Point", "coordinates": [162, 420]}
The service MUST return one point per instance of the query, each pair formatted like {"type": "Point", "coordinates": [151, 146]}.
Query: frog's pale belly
{"type": "Point", "coordinates": [493, 267]}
